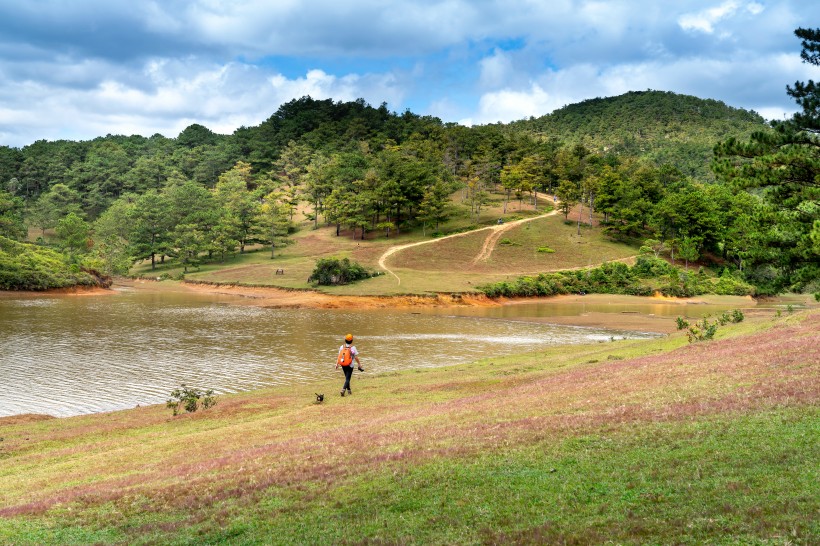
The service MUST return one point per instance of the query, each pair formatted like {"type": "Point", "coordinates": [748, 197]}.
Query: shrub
{"type": "Point", "coordinates": [333, 271]}
{"type": "Point", "coordinates": [702, 331]}
{"type": "Point", "coordinates": [190, 399]}
{"type": "Point", "coordinates": [545, 249]}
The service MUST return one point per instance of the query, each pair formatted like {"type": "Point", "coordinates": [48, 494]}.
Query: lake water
{"type": "Point", "coordinates": [64, 355]}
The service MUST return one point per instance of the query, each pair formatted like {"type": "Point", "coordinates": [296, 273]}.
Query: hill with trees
{"type": "Point", "coordinates": [661, 126]}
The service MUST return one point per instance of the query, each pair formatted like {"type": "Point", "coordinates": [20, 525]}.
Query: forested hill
{"type": "Point", "coordinates": [662, 126]}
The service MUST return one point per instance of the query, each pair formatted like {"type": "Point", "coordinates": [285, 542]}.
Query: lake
{"type": "Point", "coordinates": [69, 355]}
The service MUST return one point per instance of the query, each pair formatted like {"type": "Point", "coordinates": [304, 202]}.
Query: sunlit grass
{"type": "Point", "coordinates": [446, 265]}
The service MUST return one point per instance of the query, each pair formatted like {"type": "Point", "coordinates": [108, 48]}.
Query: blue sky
{"type": "Point", "coordinates": [85, 68]}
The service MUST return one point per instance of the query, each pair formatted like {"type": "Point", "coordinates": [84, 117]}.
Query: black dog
{"type": "Point", "coordinates": [319, 398]}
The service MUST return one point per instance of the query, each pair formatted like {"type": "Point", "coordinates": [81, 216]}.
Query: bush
{"type": "Point", "coordinates": [32, 267]}
{"type": "Point", "coordinates": [702, 331]}
{"type": "Point", "coordinates": [333, 271]}
{"type": "Point", "coordinates": [190, 399]}
{"type": "Point", "coordinates": [545, 249]}
{"type": "Point", "coordinates": [647, 276]}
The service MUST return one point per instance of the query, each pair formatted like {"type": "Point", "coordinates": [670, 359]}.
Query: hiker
{"type": "Point", "coordinates": [347, 354]}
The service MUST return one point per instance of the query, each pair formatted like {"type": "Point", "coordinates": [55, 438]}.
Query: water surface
{"type": "Point", "coordinates": [63, 355]}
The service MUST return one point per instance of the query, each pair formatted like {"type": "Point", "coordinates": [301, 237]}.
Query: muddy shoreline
{"type": "Point", "coordinates": [279, 298]}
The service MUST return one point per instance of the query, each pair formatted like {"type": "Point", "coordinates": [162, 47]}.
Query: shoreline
{"type": "Point", "coordinates": [279, 298]}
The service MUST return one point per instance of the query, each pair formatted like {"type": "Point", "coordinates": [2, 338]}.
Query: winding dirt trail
{"type": "Point", "coordinates": [486, 249]}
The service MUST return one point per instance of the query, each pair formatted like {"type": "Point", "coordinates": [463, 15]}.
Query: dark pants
{"type": "Point", "coordinates": [348, 370]}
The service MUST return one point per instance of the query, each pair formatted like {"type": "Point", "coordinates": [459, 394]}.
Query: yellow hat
{"type": "Point", "coordinates": [349, 338]}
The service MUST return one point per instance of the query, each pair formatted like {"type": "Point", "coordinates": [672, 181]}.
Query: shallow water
{"type": "Point", "coordinates": [65, 356]}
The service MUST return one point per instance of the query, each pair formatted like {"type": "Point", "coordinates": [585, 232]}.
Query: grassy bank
{"type": "Point", "coordinates": [656, 441]}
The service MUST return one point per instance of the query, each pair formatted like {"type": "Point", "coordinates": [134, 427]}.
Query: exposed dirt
{"type": "Point", "coordinates": [277, 298]}
{"type": "Point", "coordinates": [72, 291]}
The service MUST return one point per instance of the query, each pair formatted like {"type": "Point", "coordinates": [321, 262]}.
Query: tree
{"type": "Point", "coordinates": [192, 204]}
{"type": "Point", "coordinates": [186, 244]}
{"type": "Point", "coordinates": [274, 222]}
{"type": "Point", "coordinates": [783, 167]}
{"type": "Point", "coordinates": [73, 233]}
{"type": "Point", "coordinates": [223, 238]}
{"type": "Point", "coordinates": [11, 216]}
{"type": "Point", "coordinates": [319, 182]}
{"type": "Point", "coordinates": [56, 203]}
{"type": "Point", "coordinates": [510, 181]}
{"type": "Point", "coordinates": [150, 223]}
{"type": "Point", "coordinates": [434, 206]}
{"type": "Point", "coordinates": [568, 194]}
{"type": "Point", "coordinates": [239, 203]}
{"type": "Point", "coordinates": [110, 233]}
{"type": "Point", "coordinates": [688, 249]}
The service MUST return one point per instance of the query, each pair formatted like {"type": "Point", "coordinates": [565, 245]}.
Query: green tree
{"type": "Point", "coordinates": [434, 207]}
{"type": "Point", "coordinates": [187, 242]}
{"type": "Point", "coordinates": [319, 182]}
{"type": "Point", "coordinates": [73, 234]}
{"type": "Point", "coordinates": [11, 216]}
{"type": "Point", "coordinates": [274, 222]}
{"type": "Point", "coordinates": [783, 167]}
{"type": "Point", "coordinates": [224, 237]}
{"type": "Point", "coordinates": [58, 202]}
{"type": "Point", "coordinates": [150, 226]}
{"type": "Point", "coordinates": [510, 180]}
{"type": "Point", "coordinates": [111, 232]}
{"type": "Point", "coordinates": [239, 203]}
{"type": "Point", "coordinates": [688, 249]}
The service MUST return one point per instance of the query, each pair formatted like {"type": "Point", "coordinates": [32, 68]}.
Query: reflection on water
{"type": "Point", "coordinates": [552, 308]}
{"type": "Point", "coordinates": [72, 355]}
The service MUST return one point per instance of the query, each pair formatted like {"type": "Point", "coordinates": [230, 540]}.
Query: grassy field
{"type": "Point", "coordinates": [446, 265]}
{"type": "Point", "coordinates": [628, 442]}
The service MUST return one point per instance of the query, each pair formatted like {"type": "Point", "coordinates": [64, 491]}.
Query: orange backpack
{"type": "Point", "coordinates": [345, 356]}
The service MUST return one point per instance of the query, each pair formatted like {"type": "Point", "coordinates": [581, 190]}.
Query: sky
{"type": "Point", "coordinates": [79, 69]}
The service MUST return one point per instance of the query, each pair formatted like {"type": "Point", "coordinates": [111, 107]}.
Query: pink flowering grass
{"type": "Point", "coordinates": [146, 466]}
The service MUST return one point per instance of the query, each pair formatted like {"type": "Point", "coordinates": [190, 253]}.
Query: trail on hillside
{"type": "Point", "coordinates": [486, 249]}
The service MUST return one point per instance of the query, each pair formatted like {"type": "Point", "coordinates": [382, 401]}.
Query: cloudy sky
{"type": "Point", "coordinates": [84, 68]}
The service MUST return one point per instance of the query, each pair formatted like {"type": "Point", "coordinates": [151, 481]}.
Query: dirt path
{"type": "Point", "coordinates": [486, 249]}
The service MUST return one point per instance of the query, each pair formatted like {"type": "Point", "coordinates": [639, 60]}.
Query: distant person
{"type": "Point", "coordinates": [347, 354]}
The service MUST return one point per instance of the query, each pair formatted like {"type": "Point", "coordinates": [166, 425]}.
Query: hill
{"type": "Point", "coordinates": [653, 441]}
{"type": "Point", "coordinates": [662, 126]}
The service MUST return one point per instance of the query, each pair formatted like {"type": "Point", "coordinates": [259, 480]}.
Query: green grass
{"type": "Point", "coordinates": [632, 442]}
{"type": "Point", "coordinates": [445, 265]}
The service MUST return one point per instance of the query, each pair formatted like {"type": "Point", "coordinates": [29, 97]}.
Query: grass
{"type": "Point", "coordinates": [656, 441]}
{"type": "Point", "coordinates": [441, 266]}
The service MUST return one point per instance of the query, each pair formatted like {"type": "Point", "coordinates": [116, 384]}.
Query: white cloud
{"type": "Point", "coordinates": [91, 67]}
{"type": "Point", "coordinates": [508, 105]}
{"type": "Point", "coordinates": [170, 95]}
{"type": "Point", "coordinates": [496, 70]}
{"type": "Point", "coordinates": [739, 82]}
{"type": "Point", "coordinates": [705, 21]}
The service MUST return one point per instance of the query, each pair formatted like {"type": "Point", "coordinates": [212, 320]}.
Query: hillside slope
{"type": "Point", "coordinates": [662, 126]}
{"type": "Point", "coordinates": [631, 442]}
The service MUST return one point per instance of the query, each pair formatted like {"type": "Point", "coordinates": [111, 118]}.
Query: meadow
{"type": "Point", "coordinates": [631, 442]}
{"type": "Point", "coordinates": [448, 264]}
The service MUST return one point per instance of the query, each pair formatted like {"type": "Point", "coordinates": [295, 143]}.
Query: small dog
{"type": "Point", "coordinates": [319, 398]}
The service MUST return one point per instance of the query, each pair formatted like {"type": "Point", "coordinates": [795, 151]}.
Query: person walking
{"type": "Point", "coordinates": [347, 354]}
